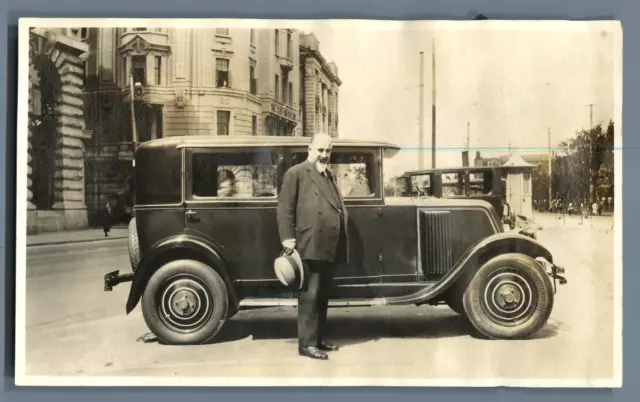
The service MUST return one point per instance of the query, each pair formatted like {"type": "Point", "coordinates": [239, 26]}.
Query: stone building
{"type": "Point", "coordinates": [217, 81]}
{"type": "Point", "coordinates": [484, 161]}
{"type": "Point", "coordinates": [56, 133]}
{"type": "Point", "coordinates": [319, 86]}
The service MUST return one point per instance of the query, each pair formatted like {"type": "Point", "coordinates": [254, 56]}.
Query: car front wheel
{"type": "Point", "coordinates": [510, 297]}
{"type": "Point", "coordinates": [185, 302]}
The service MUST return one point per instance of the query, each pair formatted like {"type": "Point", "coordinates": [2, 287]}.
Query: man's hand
{"type": "Point", "coordinates": [289, 245]}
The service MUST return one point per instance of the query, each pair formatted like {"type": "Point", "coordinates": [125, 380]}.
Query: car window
{"type": "Point", "coordinates": [235, 175]}
{"type": "Point", "coordinates": [452, 184]}
{"type": "Point", "coordinates": [480, 183]}
{"type": "Point", "coordinates": [353, 172]}
{"type": "Point", "coordinates": [421, 185]}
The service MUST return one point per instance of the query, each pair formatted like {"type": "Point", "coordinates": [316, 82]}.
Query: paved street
{"type": "Point", "coordinates": [75, 328]}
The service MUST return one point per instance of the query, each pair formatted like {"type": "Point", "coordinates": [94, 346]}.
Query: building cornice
{"type": "Point", "coordinates": [306, 52]}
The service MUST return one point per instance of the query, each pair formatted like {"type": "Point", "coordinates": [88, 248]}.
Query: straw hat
{"type": "Point", "coordinates": [289, 269]}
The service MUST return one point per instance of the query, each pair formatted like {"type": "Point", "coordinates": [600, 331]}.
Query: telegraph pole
{"type": "Point", "coordinates": [590, 159]}
{"type": "Point", "coordinates": [421, 114]}
{"type": "Point", "coordinates": [550, 173]}
{"type": "Point", "coordinates": [468, 136]}
{"type": "Point", "coordinates": [433, 103]}
{"type": "Point", "coordinates": [133, 115]}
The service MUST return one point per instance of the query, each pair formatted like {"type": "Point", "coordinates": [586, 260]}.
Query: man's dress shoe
{"type": "Point", "coordinates": [312, 352]}
{"type": "Point", "coordinates": [327, 346]}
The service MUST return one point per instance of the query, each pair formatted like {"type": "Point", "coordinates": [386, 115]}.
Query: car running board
{"type": "Point", "coordinates": [294, 302]}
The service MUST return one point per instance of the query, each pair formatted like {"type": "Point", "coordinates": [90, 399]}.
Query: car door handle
{"type": "Point", "coordinates": [191, 216]}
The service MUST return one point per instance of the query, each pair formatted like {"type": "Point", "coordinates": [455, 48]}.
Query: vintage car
{"type": "Point", "coordinates": [486, 183]}
{"type": "Point", "coordinates": [204, 239]}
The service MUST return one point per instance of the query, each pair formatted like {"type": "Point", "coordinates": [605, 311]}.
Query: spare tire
{"type": "Point", "coordinates": [134, 247]}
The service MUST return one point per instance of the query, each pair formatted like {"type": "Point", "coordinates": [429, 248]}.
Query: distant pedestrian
{"type": "Point", "coordinates": [107, 214]}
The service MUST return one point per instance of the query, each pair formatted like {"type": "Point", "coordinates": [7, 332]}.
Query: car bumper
{"type": "Point", "coordinates": [114, 279]}
{"type": "Point", "coordinates": [554, 271]}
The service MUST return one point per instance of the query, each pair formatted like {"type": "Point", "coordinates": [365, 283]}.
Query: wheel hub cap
{"type": "Point", "coordinates": [185, 303]}
{"type": "Point", "coordinates": [508, 297]}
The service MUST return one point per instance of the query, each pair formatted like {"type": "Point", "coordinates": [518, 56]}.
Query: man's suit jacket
{"type": "Point", "coordinates": [310, 212]}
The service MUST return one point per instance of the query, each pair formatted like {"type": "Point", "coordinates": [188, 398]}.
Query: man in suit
{"type": "Point", "coordinates": [312, 219]}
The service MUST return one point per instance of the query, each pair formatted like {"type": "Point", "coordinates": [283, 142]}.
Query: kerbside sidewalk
{"type": "Point", "coordinates": [76, 236]}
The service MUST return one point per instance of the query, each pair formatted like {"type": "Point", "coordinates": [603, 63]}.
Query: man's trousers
{"type": "Point", "coordinates": [313, 301]}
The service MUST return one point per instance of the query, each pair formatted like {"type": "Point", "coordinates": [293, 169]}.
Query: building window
{"type": "Point", "coordinates": [526, 183]}
{"type": "Point", "coordinates": [277, 41]}
{"type": "Point", "coordinates": [158, 70]}
{"type": "Point", "coordinates": [289, 46]}
{"type": "Point", "coordinates": [290, 94]}
{"type": "Point", "coordinates": [84, 34]}
{"type": "Point", "coordinates": [277, 87]}
{"type": "Point", "coordinates": [254, 125]}
{"type": "Point", "coordinates": [159, 122]}
{"type": "Point", "coordinates": [252, 34]}
{"type": "Point", "coordinates": [139, 69]}
{"type": "Point", "coordinates": [252, 80]}
{"type": "Point", "coordinates": [139, 29]}
{"type": "Point", "coordinates": [222, 31]}
{"type": "Point", "coordinates": [285, 95]}
{"type": "Point", "coordinates": [222, 73]}
{"type": "Point", "coordinates": [124, 74]}
{"type": "Point", "coordinates": [223, 122]}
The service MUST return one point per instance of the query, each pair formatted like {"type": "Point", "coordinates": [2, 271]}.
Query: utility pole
{"type": "Point", "coordinates": [133, 116]}
{"type": "Point", "coordinates": [433, 103]}
{"type": "Point", "coordinates": [590, 153]}
{"type": "Point", "coordinates": [421, 114]}
{"type": "Point", "coordinates": [550, 172]}
{"type": "Point", "coordinates": [468, 136]}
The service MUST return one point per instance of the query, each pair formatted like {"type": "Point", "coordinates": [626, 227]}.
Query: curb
{"type": "Point", "coordinates": [51, 243]}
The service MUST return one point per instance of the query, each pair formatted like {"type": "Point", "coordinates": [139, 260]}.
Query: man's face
{"type": "Point", "coordinates": [226, 188]}
{"type": "Point", "coordinates": [320, 150]}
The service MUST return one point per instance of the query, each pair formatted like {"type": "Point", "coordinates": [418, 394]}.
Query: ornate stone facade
{"type": "Point", "coordinates": [321, 87]}
{"type": "Point", "coordinates": [55, 194]}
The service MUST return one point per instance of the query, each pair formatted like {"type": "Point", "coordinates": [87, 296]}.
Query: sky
{"type": "Point", "coordinates": [512, 85]}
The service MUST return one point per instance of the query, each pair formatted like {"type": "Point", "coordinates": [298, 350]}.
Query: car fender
{"type": "Point", "coordinates": [184, 246]}
{"type": "Point", "coordinates": [472, 260]}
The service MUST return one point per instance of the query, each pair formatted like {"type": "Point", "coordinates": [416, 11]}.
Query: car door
{"type": "Point", "coordinates": [231, 197]}
{"type": "Point", "coordinates": [356, 172]}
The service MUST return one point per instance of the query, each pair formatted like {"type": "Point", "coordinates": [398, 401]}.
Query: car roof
{"type": "Point", "coordinates": [200, 141]}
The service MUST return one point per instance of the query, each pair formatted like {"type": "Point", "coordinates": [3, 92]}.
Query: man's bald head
{"type": "Point", "coordinates": [320, 148]}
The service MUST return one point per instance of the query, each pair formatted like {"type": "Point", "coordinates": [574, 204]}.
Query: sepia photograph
{"type": "Point", "coordinates": [252, 202]}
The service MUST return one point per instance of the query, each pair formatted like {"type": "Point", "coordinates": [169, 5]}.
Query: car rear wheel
{"type": "Point", "coordinates": [510, 297]}
{"type": "Point", "coordinates": [185, 302]}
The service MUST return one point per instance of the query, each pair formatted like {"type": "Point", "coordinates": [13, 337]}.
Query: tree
{"type": "Point", "coordinates": [586, 172]}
